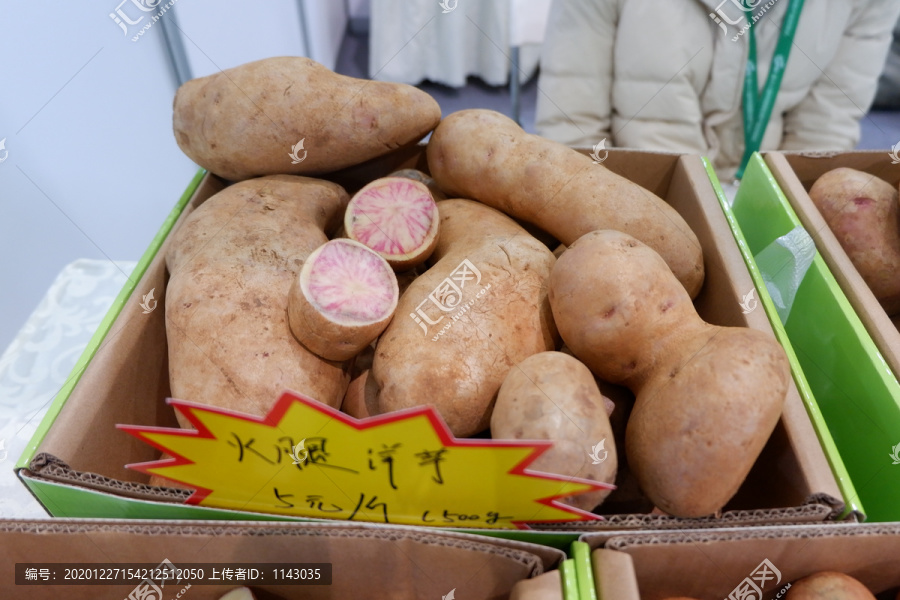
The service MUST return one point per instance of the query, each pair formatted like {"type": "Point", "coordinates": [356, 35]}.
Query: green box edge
{"type": "Point", "coordinates": [106, 324]}
{"type": "Point", "coordinates": [852, 504]}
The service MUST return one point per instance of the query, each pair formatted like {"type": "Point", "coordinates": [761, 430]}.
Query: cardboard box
{"type": "Point", "coordinates": [852, 396]}
{"type": "Point", "coordinates": [795, 174]}
{"type": "Point", "coordinates": [367, 561]}
{"type": "Point", "coordinates": [709, 565]}
{"type": "Point", "coordinates": [75, 464]}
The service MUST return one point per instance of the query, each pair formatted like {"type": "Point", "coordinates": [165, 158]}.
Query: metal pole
{"type": "Point", "coordinates": [514, 83]}
{"type": "Point", "coordinates": [178, 60]}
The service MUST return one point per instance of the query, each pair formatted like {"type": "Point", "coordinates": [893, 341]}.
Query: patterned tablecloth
{"type": "Point", "coordinates": [35, 366]}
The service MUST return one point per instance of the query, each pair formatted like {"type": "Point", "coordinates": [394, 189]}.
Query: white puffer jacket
{"type": "Point", "coordinates": [664, 75]}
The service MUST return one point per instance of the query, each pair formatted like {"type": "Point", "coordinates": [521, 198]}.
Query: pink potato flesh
{"type": "Point", "coordinates": [350, 285]}
{"type": "Point", "coordinates": [396, 217]}
{"type": "Point", "coordinates": [344, 298]}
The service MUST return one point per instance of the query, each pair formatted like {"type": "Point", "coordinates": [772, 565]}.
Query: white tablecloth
{"type": "Point", "coordinates": [35, 366]}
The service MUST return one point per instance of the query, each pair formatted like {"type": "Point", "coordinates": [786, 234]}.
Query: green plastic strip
{"type": "Point", "coordinates": [569, 579]}
{"type": "Point", "coordinates": [584, 571]}
{"type": "Point", "coordinates": [759, 183]}
{"type": "Point", "coordinates": [103, 329]}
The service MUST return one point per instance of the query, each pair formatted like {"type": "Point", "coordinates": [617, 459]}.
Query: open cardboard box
{"type": "Point", "coordinates": [75, 463]}
{"type": "Point", "coordinates": [796, 173]}
{"type": "Point", "coordinates": [367, 561]}
{"type": "Point", "coordinates": [709, 565]}
{"type": "Point", "coordinates": [852, 395]}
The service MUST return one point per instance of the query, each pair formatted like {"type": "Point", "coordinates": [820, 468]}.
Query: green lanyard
{"type": "Point", "coordinates": [758, 109]}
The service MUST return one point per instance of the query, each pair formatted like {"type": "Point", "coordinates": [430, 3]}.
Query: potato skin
{"type": "Point", "coordinates": [553, 396]}
{"type": "Point", "coordinates": [243, 122]}
{"type": "Point", "coordinates": [460, 371]}
{"type": "Point", "coordinates": [486, 156]}
{"type": "Point", "coordinates": [828, 585]}
{"type": "Point", "coordinates": [707, 397]}
{"type": "Point", "coordinates": [863, 213]}
{"type": "Point", "coordinates": [231, 264]}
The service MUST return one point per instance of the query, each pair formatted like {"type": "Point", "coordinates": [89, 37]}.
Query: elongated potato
{"type": "Point", "coordinates": [231, 265]}
{"type": "Point", "coordinates": [463, 324]}
{"type": "Point", "coordinates": [292, 115]}
{"type": "Point", "coordinates": [553, 396]}
{"type": "Point", "coordinates": [863, 213]}
{"type": "Point", "coordinates": [707, 397]}
{"type": "Point", "coordinates": [486, 156]}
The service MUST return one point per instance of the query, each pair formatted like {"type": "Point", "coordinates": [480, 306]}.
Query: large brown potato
{"type": "Point", "coordinates": [828, 585]}
{"type": "Point", "coordinates": [456, 359]}
{"type": "Point", "coordinates": [553, 396]}
{"type": "Point", "coordinates": [231, 265]}
{"type": "Point", "coordinates": [247, 121]}
{"type": "Point", "coordinates": [708, 397]}
{"type": "Point", "coordinates": [863, 213]}
{"type": "Point", "coordinates": [486, 156]}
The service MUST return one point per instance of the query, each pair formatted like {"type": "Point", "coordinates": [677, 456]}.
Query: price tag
{"type": "Point", "coordinates": [305, 459]}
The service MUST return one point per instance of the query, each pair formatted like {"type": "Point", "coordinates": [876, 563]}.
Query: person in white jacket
{"type": "Point", "coordinates": [670, 75]}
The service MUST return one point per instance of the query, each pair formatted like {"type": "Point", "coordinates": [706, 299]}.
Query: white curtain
{"type": "Point", "coordinates": [414, 40]}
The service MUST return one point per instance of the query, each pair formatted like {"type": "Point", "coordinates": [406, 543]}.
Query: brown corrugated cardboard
{"type": "Point", "coordinates": [545, 587]}
{"type": "Point", "coordinates": [127, 381]}
{"type": "Point", "coordinates": [367, 561]}
{"type": "Point", "coordinates": [710, 564]}
{"type": "Point", "coordinates": [795, 174]}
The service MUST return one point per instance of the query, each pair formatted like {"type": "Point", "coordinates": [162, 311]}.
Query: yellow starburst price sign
{"type": "Point", "coordinates": [305, 459]}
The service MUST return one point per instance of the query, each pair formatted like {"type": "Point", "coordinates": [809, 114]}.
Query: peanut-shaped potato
{"type": "Point", "coordinates": [707, 397]}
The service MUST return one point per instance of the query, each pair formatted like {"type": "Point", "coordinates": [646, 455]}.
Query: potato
{"type": "Point", "coordinates": [552, 396]}
{"type": "Point", "coordinates": [828, 585]}
{"type": "Point", "coordinates": [292, 115]}
{"type": "Point", "coordinates": [707, 397]}
{"type": "Point", "coordinates": [483, 155]}
{"type": "Point", "coordinates": [462, 325]}
{"type": "Point", "coordinates": [343, 298]}
{"type": "Point", "coordinates": [863, 213]}
{"type": "Point", "coordinates": [231, 263]}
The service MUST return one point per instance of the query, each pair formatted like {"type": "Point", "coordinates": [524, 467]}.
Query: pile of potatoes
{"type": "Point", "coordinates": [447, 291]}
